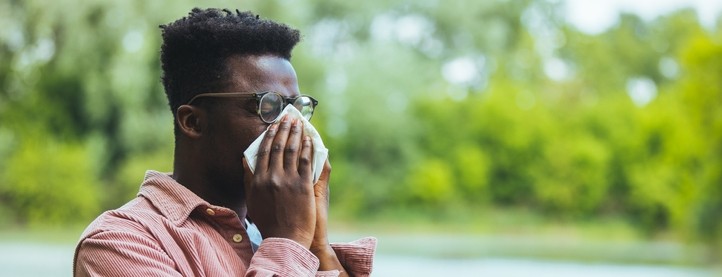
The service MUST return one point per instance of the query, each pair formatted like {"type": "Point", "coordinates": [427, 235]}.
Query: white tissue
{"type": "Point", "coordinates": [320, 153]}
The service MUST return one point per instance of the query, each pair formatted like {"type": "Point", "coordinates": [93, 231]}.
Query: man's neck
{"type": "Point", "coordinates": [209, 189]}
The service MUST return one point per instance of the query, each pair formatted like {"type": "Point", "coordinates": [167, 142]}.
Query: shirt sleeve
{"type": "Point", "coordinates": [121, 254]}
{"type": "Point", "coordinates": [356, 257]}
{"type": "Point", "coordinates": [282, 257]}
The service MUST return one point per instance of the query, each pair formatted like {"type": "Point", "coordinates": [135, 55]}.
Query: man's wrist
{"type": "Point", "coordinates": [324, 250]}
{"type": "Point", "coordinates": [326, 257]}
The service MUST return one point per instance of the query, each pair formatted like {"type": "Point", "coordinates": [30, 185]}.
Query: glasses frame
{"type": "Point", "coordinates": [257, 96]}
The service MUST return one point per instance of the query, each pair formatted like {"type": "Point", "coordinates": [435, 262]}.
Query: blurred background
{"type": "Point", "coordinates": [497, 138]}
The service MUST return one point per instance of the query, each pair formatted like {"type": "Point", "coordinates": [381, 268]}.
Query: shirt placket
{"type": "Point", "coordinates": [230, 227]}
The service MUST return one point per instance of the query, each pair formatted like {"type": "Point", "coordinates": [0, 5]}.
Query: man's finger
{"type": "Point", "coordinates": [321, 187]}
{"type": "Point", "coordinates": [264, 149]}
{"type": "Point", "coordinates": [326, 172]}
{"type": "Point", "coordinates": [278, 146]}
{"type": "Point", "coordinates": [293, 146]}
{"type": "Point", "coordinates": [305, 159]}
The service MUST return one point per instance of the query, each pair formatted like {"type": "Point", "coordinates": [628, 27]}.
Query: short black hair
{"type": "Point", "coordinates": [196, 48]}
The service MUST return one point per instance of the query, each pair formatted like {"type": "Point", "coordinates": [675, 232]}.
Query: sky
{"type": "Point", "coordinates": [595, 16]}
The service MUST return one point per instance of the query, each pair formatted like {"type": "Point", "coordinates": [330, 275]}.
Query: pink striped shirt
{"type": "Point", "coordinates": [169, 231]}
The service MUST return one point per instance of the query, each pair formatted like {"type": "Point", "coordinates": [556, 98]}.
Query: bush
{"type": "Point", "coordinates": [471, 168]}
{"type": "Point", "coordinates": [431, 183]}
{"type": "Point", "coordinates": [130, 175]}
{"type": "Point", "coordinates": [48, 182]}
{"type": "Point", "coordinates": [570, 180]}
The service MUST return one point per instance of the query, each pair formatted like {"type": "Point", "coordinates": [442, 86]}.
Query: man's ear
{"type": "Point", "coordinates": [190, 121]}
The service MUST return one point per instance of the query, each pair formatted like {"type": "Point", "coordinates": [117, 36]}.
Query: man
{"type": "Point", "coordinates": [227, 77]}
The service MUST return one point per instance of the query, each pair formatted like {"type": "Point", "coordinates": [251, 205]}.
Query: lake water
{"type": "Point", "coordinates": [31, 259]}
{"type": "Point", "coordinates": [420, 266]}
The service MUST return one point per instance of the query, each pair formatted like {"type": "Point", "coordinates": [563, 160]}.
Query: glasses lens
{"type": "Point", "coordinates": [305, 105]}
{"type": "Point", "coordinates": [269, 108]}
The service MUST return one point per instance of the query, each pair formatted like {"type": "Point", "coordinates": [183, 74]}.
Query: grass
{"type": "Point", "coordinates": [44, 235]}
{"type": "Point", "coordinates": [494, 221]}
{"type": "Point", "coordinates": [520, 233]}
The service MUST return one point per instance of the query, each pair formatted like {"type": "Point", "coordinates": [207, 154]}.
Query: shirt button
{"type": "Point", "coordinates": [237, 238]}
{"type": "Point", "coordinates": [210, 211]}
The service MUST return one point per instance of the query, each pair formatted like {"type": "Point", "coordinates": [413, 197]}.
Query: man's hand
{"type": "Point", "coordinates": [320, 246]}
{"type": "Point", "coordinates": [280, 195]}
{"type": "Point", "coordinates": [321, 192]}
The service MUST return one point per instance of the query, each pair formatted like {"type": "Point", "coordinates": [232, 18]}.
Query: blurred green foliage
{"type": "Point", "coordinates": [49, 183]}
{"type": "Point", "coordinates": [425, 106]}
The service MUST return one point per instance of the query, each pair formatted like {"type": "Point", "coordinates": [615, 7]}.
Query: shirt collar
{"type": "Point", "coordinates": [172, 199]}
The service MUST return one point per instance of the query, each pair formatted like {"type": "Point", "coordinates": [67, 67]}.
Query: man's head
{"type": "Point", "coordinates": [196, 50]}
{"type": "Point", "coordinates": [217, 52]}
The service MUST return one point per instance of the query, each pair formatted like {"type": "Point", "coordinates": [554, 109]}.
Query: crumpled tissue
{"type": "Point", "coordinates": [320, 152]}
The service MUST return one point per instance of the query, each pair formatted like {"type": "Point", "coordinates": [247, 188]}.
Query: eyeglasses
{"type": "Point", "coordinates": [270, 104]}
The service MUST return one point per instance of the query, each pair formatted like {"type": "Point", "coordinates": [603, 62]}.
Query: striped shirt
{"type": "Point", "coordinates": [169, 231]}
